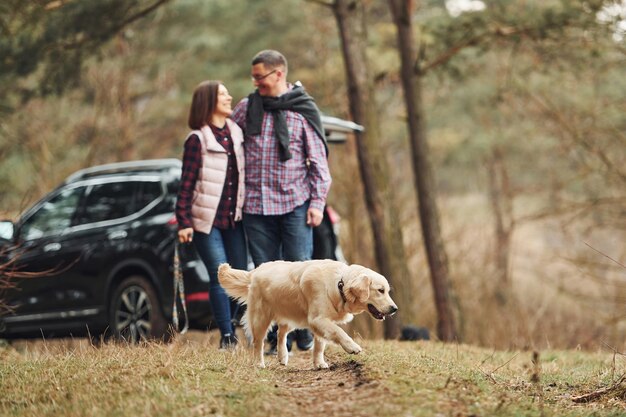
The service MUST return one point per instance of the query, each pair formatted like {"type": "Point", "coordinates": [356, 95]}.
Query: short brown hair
{"type": "Point", "coordinates": [203, 103]}
{"type": "Point", "coordinates": [271, 59]}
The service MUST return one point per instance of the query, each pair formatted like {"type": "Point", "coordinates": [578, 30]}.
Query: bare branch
{"type": "Point", "coordinates": [566, 126]}
{"type": "Point", "coordinates": [322, 3]}
{"type": "Point", "coordinates": [578, 207]}
{"type": "Point", "coordinates": [10, 273]}
{"type": "Point", "coordinates": [605, 255]}
{"type": "Point", "coordinates": [142, 13]}
{"type": "Point", "coordinates": [592, 396]}
{"type": "Point", "coordinates": [117, 28]}
{"type": "Point", "coordinates": [449, 54]}
{"type": "Point", "coordinates": [495, 32]}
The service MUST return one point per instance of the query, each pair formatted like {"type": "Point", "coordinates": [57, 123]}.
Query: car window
{"type": "Point", "coordinates": [109, 201]}
{"type": "Point", "coordinates": [172, 186]}
{"type": "Point", "coordinates": [54, 216]}
{"type": "Point", "coordinates": [148, 192]}
{"type": "Point", "coordinates": [172, 192]}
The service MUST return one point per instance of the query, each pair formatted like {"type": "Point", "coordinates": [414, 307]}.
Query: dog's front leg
{"type": "Point", "coordinates": [318, 353]}
{"type": "Point", "coordinates": [327, 329]}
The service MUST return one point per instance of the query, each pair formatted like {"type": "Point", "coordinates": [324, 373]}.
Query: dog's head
{"type": "Point", "coordinates": [367, 290]}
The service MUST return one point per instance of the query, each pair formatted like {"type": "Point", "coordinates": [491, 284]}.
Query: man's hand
{"type": "Point", "coordinates": [185, 235]}
{"type": "Point", "coordinates": [314, 217]}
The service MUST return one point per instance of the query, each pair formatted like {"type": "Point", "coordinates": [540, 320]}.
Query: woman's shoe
{"type": "Point", "coordinates": [228, 342]}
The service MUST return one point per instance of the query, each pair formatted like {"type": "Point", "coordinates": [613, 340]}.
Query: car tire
{"type": "Point", "coordinates": [135, 313]}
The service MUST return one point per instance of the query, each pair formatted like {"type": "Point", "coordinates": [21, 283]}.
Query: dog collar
{"type": "Point", "coordinates": [340, 286]}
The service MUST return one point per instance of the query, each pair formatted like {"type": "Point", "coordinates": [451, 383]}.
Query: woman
{"type": "Point", "coordinates": [211, 193]}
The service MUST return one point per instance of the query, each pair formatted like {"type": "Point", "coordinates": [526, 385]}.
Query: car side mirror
{"type": "Point", "coordinates": [7, 230]}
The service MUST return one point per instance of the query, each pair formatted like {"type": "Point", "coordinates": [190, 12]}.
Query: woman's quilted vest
{"type": "Point", "coordinates": [212, 174]}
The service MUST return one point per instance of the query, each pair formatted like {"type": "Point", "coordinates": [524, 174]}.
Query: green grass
{"type": "Point", "coordinates": [389, 379]}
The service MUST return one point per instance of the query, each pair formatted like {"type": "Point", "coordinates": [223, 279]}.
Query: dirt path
{"type": "Point", "coordinates": [331, 392]}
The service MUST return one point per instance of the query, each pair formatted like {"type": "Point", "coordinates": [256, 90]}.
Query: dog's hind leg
{"type": "Point", "coordinates": [318, 353]}
{"type": "Point", "coordinates": [281, 343]}
{"type": "Point", "coordinates": [259, 321]}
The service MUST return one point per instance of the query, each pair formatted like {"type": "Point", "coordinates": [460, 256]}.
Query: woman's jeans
{"type": "Point", "coordinates": [216, 248]}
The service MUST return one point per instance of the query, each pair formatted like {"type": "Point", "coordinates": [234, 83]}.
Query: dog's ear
{"type": "Point", "coordinates": [358, 289]}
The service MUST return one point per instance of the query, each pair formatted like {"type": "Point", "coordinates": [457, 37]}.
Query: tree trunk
{"type": "Point", "coordinates": [422, 170]}
{"type": "Point", "coordinates": [502, 205]}
{"type": "Point", "coordinates": [383, 215]}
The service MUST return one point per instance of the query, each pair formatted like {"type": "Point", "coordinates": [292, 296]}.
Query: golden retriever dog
{"type": "Point", "coordinates": [314, 294]}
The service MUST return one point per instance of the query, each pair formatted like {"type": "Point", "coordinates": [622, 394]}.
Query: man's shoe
{"type": "Point", "coordinates": [304, 339]}
{"type": "Point", "coordinates": [271, 341]}
{"type": "Point", "coordinates": [273, 350]}
{"type": "Point", "coordinates": [228, 342]}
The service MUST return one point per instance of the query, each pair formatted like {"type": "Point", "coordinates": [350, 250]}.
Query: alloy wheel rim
{"type": "Point", "coordinates": [132, 314]}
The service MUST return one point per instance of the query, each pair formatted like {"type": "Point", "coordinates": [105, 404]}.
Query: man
{"type": "Point", "coordinates": [287, 176]}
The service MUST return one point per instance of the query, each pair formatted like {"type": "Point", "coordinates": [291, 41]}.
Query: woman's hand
{"type": "Point", "coordinates": [185, 235]}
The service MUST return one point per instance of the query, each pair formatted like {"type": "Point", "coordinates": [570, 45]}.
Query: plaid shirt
{"type": "Point", "coordinates": [275, 187]}
{"type": "Point", "coordinates": [192, 161]}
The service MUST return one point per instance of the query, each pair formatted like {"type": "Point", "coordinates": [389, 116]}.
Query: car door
{"type": "Point", "coordinates": [43, 255]}
{"type": "Point", "coordinates": [105, 220]}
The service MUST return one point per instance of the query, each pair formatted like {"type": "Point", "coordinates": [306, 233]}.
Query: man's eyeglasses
{"type": "Point", "coordinates": [262, 77]}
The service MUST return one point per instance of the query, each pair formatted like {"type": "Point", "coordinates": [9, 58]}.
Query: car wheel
{"type": "Point", "coordinates": [135, 314]}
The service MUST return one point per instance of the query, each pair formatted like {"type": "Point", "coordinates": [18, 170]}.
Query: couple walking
{"type": "Point", "coordinates": [272, 190]}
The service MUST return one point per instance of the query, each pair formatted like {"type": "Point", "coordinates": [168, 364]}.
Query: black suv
{"type": "Point", "coordinates": [101, 249]}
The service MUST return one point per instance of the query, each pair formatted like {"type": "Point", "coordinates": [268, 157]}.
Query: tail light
{"type": "Point", "coordinates": [172, 223]}
{"type": "Point", "coordinates": [333, 216]}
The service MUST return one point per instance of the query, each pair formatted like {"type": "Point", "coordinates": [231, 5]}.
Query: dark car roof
{"type": "Point", "coordinates": [337, 130]}
{"type": "Point", "coordinates": [151, 166]}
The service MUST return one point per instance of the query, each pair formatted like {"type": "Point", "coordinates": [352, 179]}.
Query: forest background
{"type": "Point", "coordinates": [527, 135]}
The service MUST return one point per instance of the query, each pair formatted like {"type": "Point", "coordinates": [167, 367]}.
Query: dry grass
{"type": "Point", "coordinates": [190, 377]}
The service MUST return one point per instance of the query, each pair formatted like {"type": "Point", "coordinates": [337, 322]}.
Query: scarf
{"type": "Point", "coordinates": [296, 100]}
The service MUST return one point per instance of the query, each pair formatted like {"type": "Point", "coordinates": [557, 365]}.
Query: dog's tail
{"type": "Point", "coordinates": [235, 282]}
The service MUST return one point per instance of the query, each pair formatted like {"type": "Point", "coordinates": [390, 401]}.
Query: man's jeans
{"type": "Point", "coordinates": [215, 248]}
{"type": "Point", "coordinates": [286, 236]}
